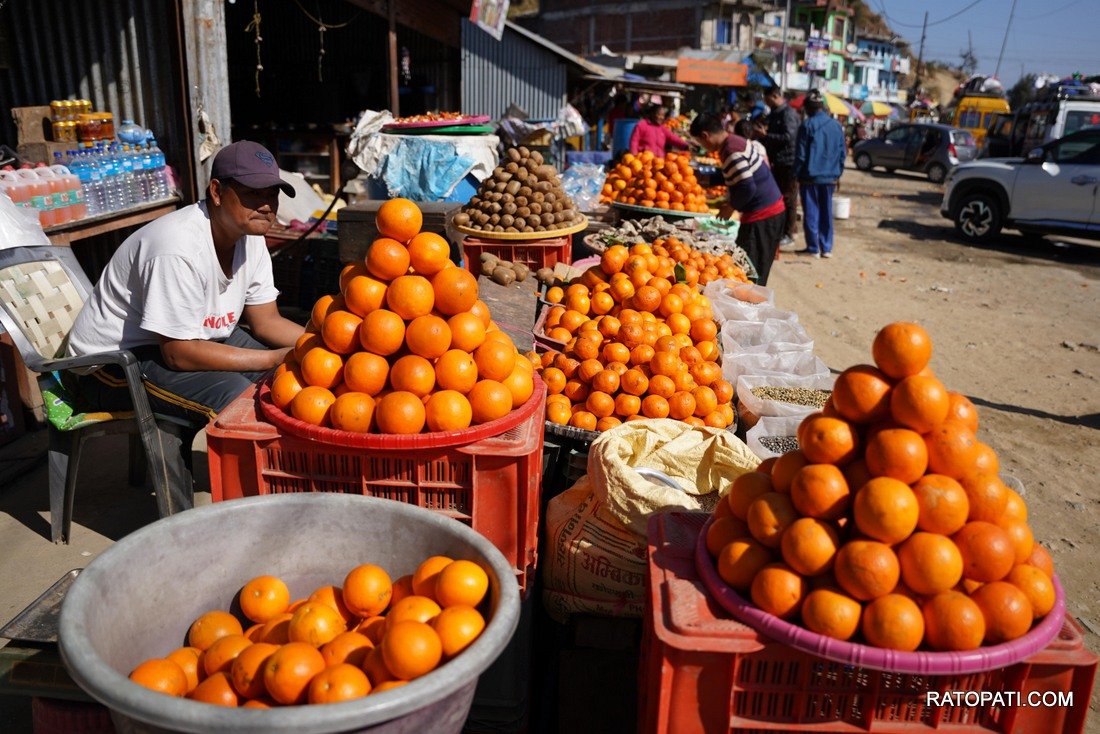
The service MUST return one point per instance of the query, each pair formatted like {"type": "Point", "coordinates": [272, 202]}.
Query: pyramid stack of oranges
{"type": "Point", "coordinates": [890, 524]}
{"type": "Point", "coordinates": [658, 183]}
{"type": "Point", "coordinates": [340, 643]}
{"type": "Point", "coordinates": [638, 345]}
{"type": "Point", "coordinates": [406, 345]}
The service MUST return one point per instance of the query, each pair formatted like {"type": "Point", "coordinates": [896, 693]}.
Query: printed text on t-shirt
{"type": "Point", "coordinates": [220, 322]}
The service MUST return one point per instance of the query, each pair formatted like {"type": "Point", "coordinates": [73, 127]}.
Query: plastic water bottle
{"type": "Point", "coordinates": [15, 187]}
{"type": "Point", "coordinates": [126, 166]}
{"type": "Point", "coordinates": [148, 164]}
{"type": "Point", "coordinates": [145, 185]}
{"type": "Point", "coordinates": [161, 189]}
{"type": "Point", "coordinates": [62, 211]}
{"type": "Point", "coordinates": [116, 192]}
{"type": "Point", "coordinates": [91, 183]}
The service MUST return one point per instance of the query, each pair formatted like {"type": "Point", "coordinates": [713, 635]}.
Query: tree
{"type": "Point", "coordinates": [1022, 92]}
{"type": "Point", "coordinates": [968, 63]}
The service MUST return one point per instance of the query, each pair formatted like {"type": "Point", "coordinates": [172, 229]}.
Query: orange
{"type": "Point", "coordinates": [901, 349]}
{"type": "Point", "coordinates": [347, 647]}
{"type": "Point", "coordinates": [456, 370]}
{"type": "Point", "coordinates": [724, 531]}
{"type": "Point", "coordinates": [429, 253]}
{"type": "Point", "coordinates": [988, 552]}
{"type": "Point", "coordinates": [264, 597]}
{"type": "Point", "coordinates": [661, 386]}
{"type": "Point", "coordinates": [740, 560]}
{"type": "Point", "coordinates": [920, 403]}
{"type": "Point", "coordinates": [426, 575]}
{"type": "Point", "coordinates": [953, 621]}
{"type": "Point", "coordinates": [745, 490]}
{"type": "Point", "coordinates": [987, 496]}
{"type": "Point", "coordinates": [633, 382]}
{"type": "Point", "coordinates": [553, 378]}
{"type": "Point", "coordinates": [705, 401]}
{"type": "Point", "coordinates": [778, 590]}
{"type": "Point", "coordinates": [455, 292]}
{"type": "Point", "coordinates": [189, 660]}
{"type": "Point", "coordinates": [576, 391]}
{"type": "Point", "coordinates": [898, 453]}
{"type": "Point", "coordinates": [388, 686]}
{"type": "Point", "coordinates": [584, 420]}
{"type": "Point", "coordinates": [489, 400]}
{"type": "Point", "coordinates": [448, 410]}
{"type": "Point", "coordinates": [336, 683]}
{"type": "Point", "coordinates": [212, 626]}
{"type": "Point", "coordinates": [364, 294]}
{"type": "Point", "coordinates": [372, 628]}
{"type": "Point", "coordinates": [951, 450]}
{"type": "Point", "coordinates": [886, 510]}
{"type": "Point", "coordinates": [769, 516]}
{"type": "Point", "coordinates": [375, 668]}
{"type": "Point", "coordinates": [1036, 586]}
{"type": "Point", "coordinates": [521, 384]}
{"type": "Point", "coordinates": [324, 306]}
{"type": "Point", "coordinates": [367, 590]}
{"type": "Point", "coordinates": [216, 690]}
{"type": "Point", "coordinates": [288, 671]}
{"type": "Point", "coordinates": [350, 271]}
{"type": "Point", "coordinates": [415, 608]}
{"type": "Point", "coordinates": [703, 329]}
{"type": "Point", "coordinates": [322, 368]}
{"type": "Point", "coordinates": [246, 673]}
{"type": "Point", "coordinates": [285, 387]}
{"type": "Point", "coordinates": [461, 583]}
{"type": "Point", "coordinates": [1040, 558]}
{"type": "Point", "coordinates": [930, 563]}
{"type": "Point", "coordinates": [410, 297]}
{"type": "Point", "coordinates": [558, 413]}
{"type": "Point", "coordinates": [382, 332]}
{"type": "Point", "coordinates": [831, 613]}
{"type": "Point", "coordinates": [893, 622]}
{"type": "Point", "coordinates": [821, 491]}
{"type": "Point", "coordinates": [827, 440]}
{"type": "Point", "coordinates": [387, 259]}
{"type": "Point", "coordinates": [1015, 509]}
{"type": "Point", "coordinates": [352, 411]}
{"type": "Point", "coordinates": [400, 412]}
{"type": "Point", "coordinates": [866, 569]}
{"type": "Point", "coordinates": [1020, 535]}
{"type": "Point", "coordinates": [163, 676]}
{"type": "Point", "coordinates": [943, 504]}
{"type": "Point", "coordinates": [809, 545]}
{"type": "Point", "coordinates": [366, 373]}
{"type": "Point", "coordinates": [332, 596]}
{"type": "Point", "coordinates": [315, 623]}
{"type": "Point", "coordinates": [1006, 610]}
{"type": "Point", "coordinates": [495, 361]}
{"type": "Point", "coordinates": [428, 336]}
{"type": "Point", "coordinates": [627, 405]}
{"type": "Point", "coordinates": [862, 394]}
{"type": "Point", "coordinates": [467, 331]}
{"type": "Point", "coordinates": [457, 627]}
{"type": "Point", "coordinates": [985, 460]}
{"type": "Point", "coordinates": [784, 470]}
{"type": "Point", "coordinates": [961, 410]}
{"type": "Point", "coordinates": [600, 404]}
{"type": "Point", "coordinates": [276, 630]}
{"type": "Point", "coordinates": [413, 374]}
{"type": "Point", "coordinates": [400, 219]}
{"type": "Point", "coordinates": [411, 649]}
{"type": "Point", "coordinates": [481, 310]}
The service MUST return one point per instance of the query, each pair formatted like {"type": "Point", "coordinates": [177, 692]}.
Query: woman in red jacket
{"type": "Point", "coordinates": [652, 135]}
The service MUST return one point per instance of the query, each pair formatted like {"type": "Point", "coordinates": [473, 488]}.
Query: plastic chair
{"type": "Point", "coordinates": [42, 290]}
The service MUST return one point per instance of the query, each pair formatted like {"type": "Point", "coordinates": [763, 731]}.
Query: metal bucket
{"type": "Point", "coordinates": [131, 602]}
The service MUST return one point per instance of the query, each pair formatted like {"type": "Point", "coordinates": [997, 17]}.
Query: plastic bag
{"type": "Point", "coordinates": [19, 226]}
{"type": "Point", "coordinates": [777, 363]}
{"type": "Point", "coordinates": [733, 300]}
{"type": "Point", "coordinates": [582, 182]}
{"type": "Point", "coordinates": [738, 336]}
{"type": "Point", "coordinates": [772, 428]}
{"type": "Point", "coordinates": [777, 408]}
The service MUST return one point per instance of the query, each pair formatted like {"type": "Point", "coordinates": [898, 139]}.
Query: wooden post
{"type": "Point", "coordinates": [395, 92]}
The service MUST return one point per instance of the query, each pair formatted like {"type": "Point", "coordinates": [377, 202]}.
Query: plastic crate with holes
{"type": "Point", "coordinates": [491, 484]}
{"type": "Point", "coordinates": [704, 671]}
{"type": "Point", "coordinates": [535, 254]}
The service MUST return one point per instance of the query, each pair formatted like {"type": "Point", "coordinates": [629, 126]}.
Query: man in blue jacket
{"type": "Point", "coordinates": [819, 162]}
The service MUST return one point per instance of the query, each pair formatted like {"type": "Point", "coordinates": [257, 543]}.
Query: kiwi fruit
{"type": "Point", "coordinates": [521, 270]}
{"type": "Point", "coordinates": [545, 275]}
{"type": "Point", "coordinates": [503, 276]}
{"type": "Point", "coordinates": [523, 194]}
{"type": "Point", "coordinates": [462, 219]}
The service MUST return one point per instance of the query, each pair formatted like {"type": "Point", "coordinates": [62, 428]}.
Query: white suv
{"type": "Point", "coordinates": [1052, 191]}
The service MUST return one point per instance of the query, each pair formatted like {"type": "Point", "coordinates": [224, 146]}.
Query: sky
{"type": "Point", "coordinates": [1046, 36]}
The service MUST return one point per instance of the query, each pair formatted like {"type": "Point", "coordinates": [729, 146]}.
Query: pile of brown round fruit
{"type": "Point", "coordinates": [524, 194]}
{"type": "Point", "coordinates": [503, 272]}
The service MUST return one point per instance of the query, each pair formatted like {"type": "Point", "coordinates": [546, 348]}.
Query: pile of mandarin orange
{"type": "Point", "coordinates": [659, 183]}
{"type": "Point", "coordinates": [405, 346]}
{"type": "Point", "coordinates": [338, 644]}
{"type": "Point", "coordinates": [638, 345]}
{"type": "Point", "coordinates": [891, 521]}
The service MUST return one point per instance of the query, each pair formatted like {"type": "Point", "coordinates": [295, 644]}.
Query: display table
{"type": "Point", "coordinates": [79, 229]}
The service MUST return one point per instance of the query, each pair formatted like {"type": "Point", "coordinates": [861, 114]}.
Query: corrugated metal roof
{"type": "Point", "coordinates": [512, 70]}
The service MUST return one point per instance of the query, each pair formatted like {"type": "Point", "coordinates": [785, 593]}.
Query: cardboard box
{"type": "Point", "coordinates": [33, 124]}
{"type": "Point", "coordinates": [356, 229]}
{"type": "Point", "coordinates": [43, 152]}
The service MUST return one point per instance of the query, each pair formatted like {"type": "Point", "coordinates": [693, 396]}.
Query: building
{"type": "Point", "coordinates": [878, 65]}
{"type": "Point", "coordinates": [829, 27]}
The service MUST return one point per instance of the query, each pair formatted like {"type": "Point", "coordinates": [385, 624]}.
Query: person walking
{"type": "Point", "coordinates": [779, 134]}
{"type": "Point", "coordinates": [818, 165]}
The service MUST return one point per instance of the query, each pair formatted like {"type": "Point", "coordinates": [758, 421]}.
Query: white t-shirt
{"type": "Point", "coordinates": [165, 280]}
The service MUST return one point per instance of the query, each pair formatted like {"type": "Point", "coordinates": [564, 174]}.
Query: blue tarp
{"type": "Point", "coordinates": [423, 170]}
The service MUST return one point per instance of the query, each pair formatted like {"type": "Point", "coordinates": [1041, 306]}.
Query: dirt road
{"type": "Point", "coordinates": [1015, 326]}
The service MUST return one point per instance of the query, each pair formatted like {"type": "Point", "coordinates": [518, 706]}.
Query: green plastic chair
{"type": "Point", "coordinates": [42, 290]}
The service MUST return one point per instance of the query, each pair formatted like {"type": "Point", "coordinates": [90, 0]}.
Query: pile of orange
{"type": "Point", "coordinates": [660, 183]}
{"type": "Point", "coordinates": [637, 345]}
{"type": "Point", "coordinates": [406, 345]}
{"type": "Point", "coordinates": [696, 267]}
{"type": "Point", "coordinates": [338, 644]}
{"type": "Point", "coordinates": [891, 522]}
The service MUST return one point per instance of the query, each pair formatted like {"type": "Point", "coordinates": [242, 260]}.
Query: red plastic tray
{"type": "Point", "coordinates": [474, 120]}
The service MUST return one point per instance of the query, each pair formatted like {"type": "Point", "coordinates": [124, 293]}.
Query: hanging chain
{"type": "Point", "coordinates": [255, 26]}
{"type": "Point", "coordinates": [321, 52]}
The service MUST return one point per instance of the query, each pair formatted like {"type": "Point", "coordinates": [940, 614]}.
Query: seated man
{"type": "Point", "coordinates": [177, 291]}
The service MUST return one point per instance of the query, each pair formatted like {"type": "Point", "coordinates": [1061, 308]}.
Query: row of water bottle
{"type": "Point", "coordinates": [95, 179]}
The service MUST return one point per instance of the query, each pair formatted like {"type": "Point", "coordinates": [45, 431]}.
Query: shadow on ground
{"type": "Point", "coordinates": [1011, 243]}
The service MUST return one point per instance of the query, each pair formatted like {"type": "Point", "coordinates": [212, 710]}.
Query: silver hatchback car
{"type": "Point", "coordinates": [929, 148]}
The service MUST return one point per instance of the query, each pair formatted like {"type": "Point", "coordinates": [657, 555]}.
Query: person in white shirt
{"type": "Point", "coordinates": [178, 290]}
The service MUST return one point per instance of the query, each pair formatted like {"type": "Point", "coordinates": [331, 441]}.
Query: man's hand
{"type": "Point", "coordinates": [725, 211]}
{"type": "Point", "coordinates": [198, 355]}
{"type": "Point", "coordinates": [270, 327]}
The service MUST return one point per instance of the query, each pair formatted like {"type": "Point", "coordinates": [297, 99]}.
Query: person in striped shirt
{"type": "Point", "coordinates": [752, 192]}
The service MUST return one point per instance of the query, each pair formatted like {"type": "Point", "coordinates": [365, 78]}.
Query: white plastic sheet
{"type": "Point", "coordinates": [776, 408]}
{"type": "Point", "coordinates": [770, 427]}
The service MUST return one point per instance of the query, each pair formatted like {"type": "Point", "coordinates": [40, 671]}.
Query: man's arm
{"type": "Point", "coordinates": [801, 152]}
{"type": "Point", "coordinates": [197, 355]}
{"type": "Point", "coordinates": [270, 327]}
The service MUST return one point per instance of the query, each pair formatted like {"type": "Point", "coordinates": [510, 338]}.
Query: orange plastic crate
{"type": "Point", "coordinates": [491, 485]}
{"type": "Point", "coordinates": [702, 671]}
{"type": "Point", "coordinates": [534, 253]}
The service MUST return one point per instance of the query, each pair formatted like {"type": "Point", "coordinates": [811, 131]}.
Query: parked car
{"type": "Point", "coordinates": [932, 149]}
{"type": "Point", "coordinates": [1051, 191]}
{"type": "Point", "coordinates": [1038, 123]}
